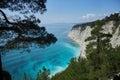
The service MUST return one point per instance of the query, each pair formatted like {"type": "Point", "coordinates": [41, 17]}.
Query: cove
{"type": "Point", "coordinates": [55, 57]}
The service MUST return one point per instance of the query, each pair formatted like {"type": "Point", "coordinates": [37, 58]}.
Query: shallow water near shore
{"type": "Point", "coordinates": [55, 57]}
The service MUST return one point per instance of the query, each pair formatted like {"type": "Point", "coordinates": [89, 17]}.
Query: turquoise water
{"type": "Point", "coordinates": [56, 57]}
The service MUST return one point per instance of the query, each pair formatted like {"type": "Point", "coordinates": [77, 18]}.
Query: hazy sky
{"type": "Point", "coordinates": [76, 11]}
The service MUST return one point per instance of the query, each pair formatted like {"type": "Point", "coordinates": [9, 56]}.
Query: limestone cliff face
{"type": "Point", "coordinates": [115, 40]}
{"type": "Point", "coordinates": [79, 33]}
{"type": "Point", "coordinates": [79, 36]}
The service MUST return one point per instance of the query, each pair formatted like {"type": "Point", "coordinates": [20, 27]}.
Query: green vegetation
{"type": "Point", "coordinates": [44, 74]}
{"type": "Point", "coordinates": [102, 62]}
{"type": "Point", "coordinates": [41, 75]}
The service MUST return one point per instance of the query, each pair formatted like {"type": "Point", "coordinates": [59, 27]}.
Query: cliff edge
{"type": "Point", "coordinates": [80, 32]}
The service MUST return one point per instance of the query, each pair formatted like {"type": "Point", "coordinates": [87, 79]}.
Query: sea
{"type": "Point", "coordinates": [55, 57]}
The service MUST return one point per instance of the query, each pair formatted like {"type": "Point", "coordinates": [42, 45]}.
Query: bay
{"type": "Point", "coordinates": [55, 57]}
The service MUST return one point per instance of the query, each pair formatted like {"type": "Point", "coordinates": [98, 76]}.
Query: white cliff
{"type": "Point", "coordinates": [79, 35]}
{"type": "Point", "coordinates": [115, 40]}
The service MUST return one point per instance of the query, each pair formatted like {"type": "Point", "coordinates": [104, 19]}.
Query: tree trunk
{"type": "Point", "coordinates": [98, 52]}
{"type": "Point", "coordinates": [1, 68]}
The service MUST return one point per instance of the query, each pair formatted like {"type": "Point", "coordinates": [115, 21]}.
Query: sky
{"type": "Point", "coordinates": [78, 11]}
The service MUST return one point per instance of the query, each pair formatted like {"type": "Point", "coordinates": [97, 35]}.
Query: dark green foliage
{"type": "Point", "coordinates": [26, 31]}
{"type": "Point", "coordinates": [99, 23]}
{"type": "Point", "coordinates": [116, 59]}
{"type": "Point", "coordinates": [24, 6]}
{"type": "Point", "coordinates": [43, 74]}
{"type": "Point", "coordinates": [25, 76]}
{"type": "Point", "coordinates": [6, 75]}
{"type": "Point", "coordinates": [74, 71]}
{"type": "Point", "coordinates": [90, 38]}
{"type": "Point", "coordinates": [83, 25]}
{"type": "Point", "coordinates": [114, 17]}
{"type": "Point", "coordinates": [97, 53]}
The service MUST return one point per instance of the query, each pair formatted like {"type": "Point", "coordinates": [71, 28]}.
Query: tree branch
{"type": "Point", "coordinates": [16, 27]}
{"type": "Point", "coordinates": [4, 15]}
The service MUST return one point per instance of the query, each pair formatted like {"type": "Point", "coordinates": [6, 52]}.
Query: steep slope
{"type": "Point", "coordinates": [79, 35]}
{"type": "Point", "coordinates": [80, 32]}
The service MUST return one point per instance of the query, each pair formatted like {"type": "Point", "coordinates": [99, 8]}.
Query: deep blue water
{"type": "Point", "coordinates": [56, 57]}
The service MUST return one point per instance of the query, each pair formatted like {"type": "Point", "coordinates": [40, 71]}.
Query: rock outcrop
{"type": "Point", "coordinates": [78, 35]}
{"type": "Point", "coordinates": [82, 31]}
